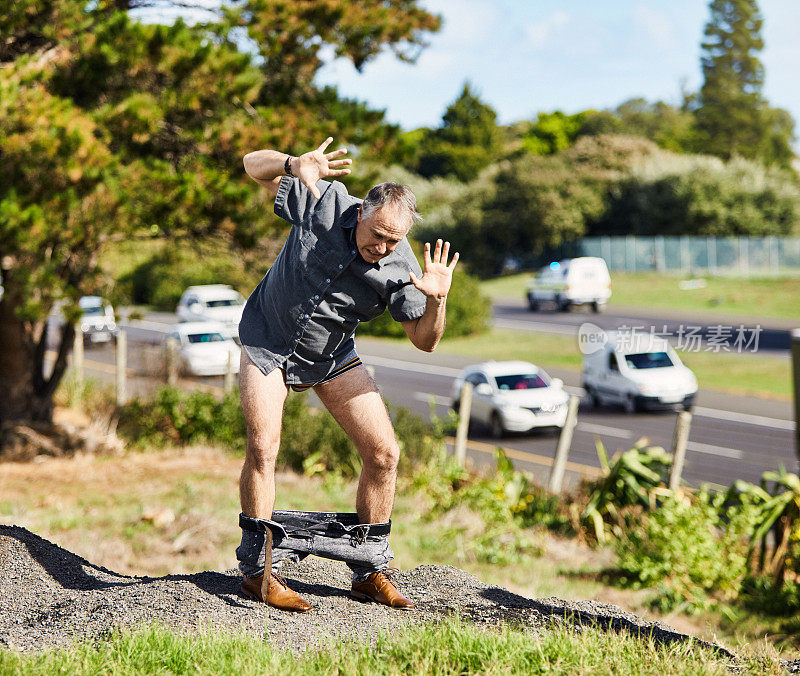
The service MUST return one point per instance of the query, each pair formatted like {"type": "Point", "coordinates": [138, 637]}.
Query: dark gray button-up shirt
{"type": "Point", "coordinates": [303, 314]}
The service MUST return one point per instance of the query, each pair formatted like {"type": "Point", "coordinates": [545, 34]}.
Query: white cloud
{"type": "Point", "coordinates": [540, 33]}
{"type": "Point", "coordinates": [655, 26]}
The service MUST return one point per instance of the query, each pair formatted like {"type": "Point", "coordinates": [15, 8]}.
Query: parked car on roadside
{"type": "Point", "coordinates": [204, 347]}
{"type": "Point", "coordinates": [213, 303]}
{"type": "Point", "coordinates": [512, 396]}
{"type": "Point", "coordinates": [572, 281]}
{"type": "Point", "coordinates": [638, 371]}
{"type": "Point", "coordinates": [96, 323]}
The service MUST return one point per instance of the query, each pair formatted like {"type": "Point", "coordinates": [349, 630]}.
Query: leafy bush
{"type": "Point", "coordinates": [688, 547]}
{"type": "Point", "coordinates": [468, 312]}
{"type": "Point", "coordinates": [175, 416]}
{"type": "Point", "coordinates": [634, 479]}
{"type": "Point", "coordinates": [160, 280]}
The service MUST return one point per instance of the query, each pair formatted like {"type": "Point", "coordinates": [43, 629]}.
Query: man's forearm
{"type": "Point", "coordinates": [265, 165]}
{"type": "Point", "coordinates": [430, 326]}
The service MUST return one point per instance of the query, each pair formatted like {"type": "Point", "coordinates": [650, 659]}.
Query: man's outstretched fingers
{"type": "Point", "coordinates": [337, 153]}
{"type": "Point", "coordinates": [445, 252]}
{"type": "Point", "coordinates": [454, 261]}
{"type": "Point", "coordinates": [325, 144]}
{"type": "Point", "coordinates": [437, 252]}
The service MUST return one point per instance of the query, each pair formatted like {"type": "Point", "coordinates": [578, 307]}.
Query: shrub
{"type": "Point", "coordinates": [468, 312]}
{"type": "Point", "coordinates": [689, 547]}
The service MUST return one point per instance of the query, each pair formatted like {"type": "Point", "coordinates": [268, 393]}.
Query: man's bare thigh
{"type": "Point", "coordinates": [262, 397]}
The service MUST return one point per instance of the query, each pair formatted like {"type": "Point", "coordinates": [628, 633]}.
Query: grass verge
{"type": "Point", "coordinates": [748, 296]}
{"type": "Point", "coordinates": [451, 647]}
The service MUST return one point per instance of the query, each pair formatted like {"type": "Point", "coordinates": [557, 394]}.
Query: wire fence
{"type": "Point", "coordinates": [721, 255]}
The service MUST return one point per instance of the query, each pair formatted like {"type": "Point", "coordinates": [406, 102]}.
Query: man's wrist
{"type": "Point", "coordinates": [287, 166]}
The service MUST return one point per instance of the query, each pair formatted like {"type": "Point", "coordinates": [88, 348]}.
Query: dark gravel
{"type": "Point", "coordinates": [50, 597]}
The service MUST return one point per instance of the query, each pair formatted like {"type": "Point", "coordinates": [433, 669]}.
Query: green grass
{"type": "Point", "coordinates": [747, 374]}
{"type": "Point", "coordinates": [775, 297]}
{"type": "Point", "coordinates": [452, 647]}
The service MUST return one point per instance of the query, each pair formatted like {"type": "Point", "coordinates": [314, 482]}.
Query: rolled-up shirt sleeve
{"type": "Point", "coordinates": [294, 202]}
{"type": "Point", "coordinates": [405, 300]}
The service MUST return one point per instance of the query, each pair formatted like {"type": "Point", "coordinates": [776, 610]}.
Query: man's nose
{"type": "Point", "coordinates": [380, 247]}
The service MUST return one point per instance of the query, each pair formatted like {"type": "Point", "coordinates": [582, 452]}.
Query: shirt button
{"type": "Point", "coordinates": [327, 280]}
{"type": "Point", "coordinates": [353, 252]}
{"type": "Point", "coordinates": [316, 297]}
{"type": "Point", "coordinates": [340, 266]}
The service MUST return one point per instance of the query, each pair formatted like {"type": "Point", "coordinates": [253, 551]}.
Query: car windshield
{"type": "Point", "coordinates": [648, 360]}
{"type": "Point", "coordinates": [223, 302]}
{"type": "Point", "coordinates": [523, 381]}
{"type": "Point", "coordinates": [93, 311]}
{"type": "Point", "coordinates": [205, 338]}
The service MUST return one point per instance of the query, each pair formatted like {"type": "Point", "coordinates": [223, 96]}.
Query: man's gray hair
{"type": "Point", "coordinates": [384, 194]}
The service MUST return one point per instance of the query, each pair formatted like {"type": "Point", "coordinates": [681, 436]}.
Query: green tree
{"type": "Point", "coordinates": [733, 118]}
{"type": "Point", "coordinates": [110, 128]}
{"type": "Point", "coordinates": [552, 132]}
{"type": "Point", "coordinates": [468, 140]}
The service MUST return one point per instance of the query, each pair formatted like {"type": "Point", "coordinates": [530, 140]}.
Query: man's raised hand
{"type": "Point", "coordinates": [437, 274]}
{"type": "Point", "coordinates": [316, 164]}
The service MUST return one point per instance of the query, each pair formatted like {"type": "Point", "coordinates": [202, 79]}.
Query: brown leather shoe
{"type": "Point", "coordinates": [275, 593]}
{"type": "Point", "coordinates": [378, 587]}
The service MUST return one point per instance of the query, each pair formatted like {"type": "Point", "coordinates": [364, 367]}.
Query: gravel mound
{"type": "Point", "coordinates": [50, 597]}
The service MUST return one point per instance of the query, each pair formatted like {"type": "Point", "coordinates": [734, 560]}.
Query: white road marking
{"type": "Point", "coordinates": [746, 418]}
{"type": "Point", "coordinates": [602, 429]}
{"type": "Point", "coordinates": [426, 397]}
{"type": "Point", "coordinates": [414, 366]}
{"type": "Point", "coordinates": [714, 450]}
{"type": "Point", "coordinates": [519, 325]}
{"type": "Point", "coordinates": [147, 324]}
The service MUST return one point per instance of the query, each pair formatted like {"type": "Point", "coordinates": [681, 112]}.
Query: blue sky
{"type": "Point", "coordinates": [527, 56]}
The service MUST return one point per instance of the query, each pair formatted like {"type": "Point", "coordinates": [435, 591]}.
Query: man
{"type": "Point", "coordinates": [344, 261]}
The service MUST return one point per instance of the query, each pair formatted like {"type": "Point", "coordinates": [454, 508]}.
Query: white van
{"type": "Point", "coordinates": [637, 371]}
{"type": "Point", "coordinates": [572, 281]}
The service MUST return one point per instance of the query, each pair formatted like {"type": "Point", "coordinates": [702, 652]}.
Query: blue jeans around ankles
{"type": "Point", "coordinates": [331, 535]}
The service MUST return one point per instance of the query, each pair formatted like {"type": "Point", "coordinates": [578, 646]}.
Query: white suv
{"type": "Point", "coordinates": [573, 281]}
{"type": "Point", "coordinates": [212, 303]}
{"type": "Point", "coordinates": [512, 396]}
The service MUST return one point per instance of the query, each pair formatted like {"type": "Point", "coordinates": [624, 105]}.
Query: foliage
{"type": "Point", "coordinates": [689, 547]}
{"type": "Point", "coordinates": [176, 416]}
{"type": "Point", "coordinates": [111, 127]}
{"type": "Point", "coordinates": [504, 503]}
{"type": "Point", "coordinates": [160, 280]}
{"type": "Point", "coordinates": [733, 118]}
{"type": "Point", "coordinates": [552, 132]}
{"type": "Point", "coordinates": [668, 127]}
{"type": "Point", "coordinates": [468, 140]}
{"type": "Point", "coordinates": [702, 196]}
{"type": "Point", "coordinates": [634, 478]}
{"type": "Point", "coordinates": [468, 312]}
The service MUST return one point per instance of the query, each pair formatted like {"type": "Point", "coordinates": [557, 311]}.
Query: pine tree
{"type": "Point", "coordinates": [733, 117]}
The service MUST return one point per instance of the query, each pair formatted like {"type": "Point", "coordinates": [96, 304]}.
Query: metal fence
{"type": "Point", "coordinates": [724, 255]}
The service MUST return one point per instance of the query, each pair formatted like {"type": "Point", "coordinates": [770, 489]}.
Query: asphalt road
{"type": "Point", "coordinates": [685, 330]}
{"type": "Point", "coordinates": [731, 437]}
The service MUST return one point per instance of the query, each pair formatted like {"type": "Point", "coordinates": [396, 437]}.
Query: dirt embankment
{"type": "Point", "coordinates": [50, 597]}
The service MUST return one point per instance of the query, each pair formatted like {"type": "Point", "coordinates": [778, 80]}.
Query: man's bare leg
{"type": "Point", "coordinates": [355, 403]}
{"type": "Point", "coordinates": [262, 404]}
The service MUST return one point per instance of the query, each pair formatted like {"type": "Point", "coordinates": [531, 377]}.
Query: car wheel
{"type": "Point", "coordinates": [496, 425]}
{"type": "Point", "coordinates": [592, 398]}
{"type": "Point", "coordinates": [533, 306]}
{"type": "Point", "coordinates": [630, 404]}
{"type": "Point", "coordinates": [687, 405]}
{"type": "Point", "coordinates": [597, 308]}
{"type": "Point", "coordinates": [456, 405]}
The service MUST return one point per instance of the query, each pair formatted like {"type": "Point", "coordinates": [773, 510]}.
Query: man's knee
{"type": "Point", "coordinates": [383, 459]}
{"type": "Point", "coordinates": [262, 452]}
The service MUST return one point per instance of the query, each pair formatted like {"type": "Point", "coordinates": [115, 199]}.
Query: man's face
{"type": "Point", "coordinates": [378, 234]}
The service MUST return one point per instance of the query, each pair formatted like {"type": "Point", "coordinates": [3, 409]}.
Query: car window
{"type": "Point", "coordinates": [93, 311]}
{"type": "Point", "coordinates": [476, 378]}
{"type": "Point", "coordinates": [522, 381]}
{"type": "Point", "coordinates": [648, 360]}
{"type": "Point", "coordinates": [223, 302]}
{"type": "Point", "coordinates": [205, 337]}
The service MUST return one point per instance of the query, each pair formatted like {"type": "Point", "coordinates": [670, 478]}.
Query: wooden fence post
{"type": "Point", "coordinates": [464, 409]}
{"type": "Point", "coordinates": [77, 355]}
{"type": "Point", "coordinates": [172, 361]}
{"type": "Point", "coordinates": [564, 443]}
{"type": "Point", "coordinates": [122, 367]}
{"type": "Point", "coordinates": [679, 441]}
{"type": "Point", "coordinates": [227, 384]}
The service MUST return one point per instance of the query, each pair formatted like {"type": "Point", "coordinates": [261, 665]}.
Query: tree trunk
{"type": "Point", "coordinates": [25, 394]}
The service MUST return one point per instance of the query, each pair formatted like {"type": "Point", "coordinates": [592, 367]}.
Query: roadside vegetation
{"type": "Point", "coordinates": [451, 647]}
{"type": "Point", "coordinates": [715, 564]}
